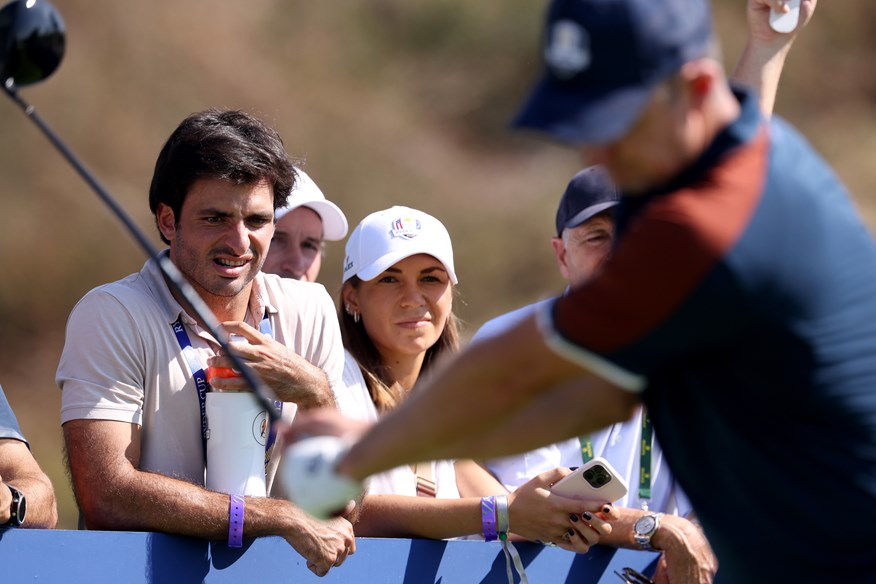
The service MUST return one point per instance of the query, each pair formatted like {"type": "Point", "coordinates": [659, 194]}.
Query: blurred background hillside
{"type": "Point", "coordinates": [387, 101]}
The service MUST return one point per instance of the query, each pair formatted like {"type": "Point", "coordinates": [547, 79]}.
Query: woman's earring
{"type": "Point", "coordinates": [352, 313]}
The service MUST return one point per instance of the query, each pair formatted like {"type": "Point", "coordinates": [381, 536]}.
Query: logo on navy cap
{"type": "Point", "coordinates": [568, 51]}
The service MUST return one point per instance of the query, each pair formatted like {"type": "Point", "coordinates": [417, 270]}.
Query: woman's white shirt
{"type": "Point", "coordinates": [354, 401]}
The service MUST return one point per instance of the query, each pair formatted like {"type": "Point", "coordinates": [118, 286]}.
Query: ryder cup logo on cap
{"type": "Point", "coordinates": [603, 60]}
{"type": "Point", "coordinates": [568, 51]}
{"type": "Point", "coordinates": [407, 227]}
{"type": "Point", "coordinates": [386, 237]}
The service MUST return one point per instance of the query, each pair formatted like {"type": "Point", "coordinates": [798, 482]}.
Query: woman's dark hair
{"type": "Point", "coordinates": [229, 145]}
{"type": "Point", "coordinates": [385, 393]}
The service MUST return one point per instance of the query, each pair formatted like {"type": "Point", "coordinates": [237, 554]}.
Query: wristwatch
{"type": "Point", "coordinates": [18, 508]}
{"type": "Point", "coordinates": [645, 528]}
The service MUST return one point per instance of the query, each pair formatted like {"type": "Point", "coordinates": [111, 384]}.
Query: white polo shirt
{"type": "Point", "coordinates": [122, 361]}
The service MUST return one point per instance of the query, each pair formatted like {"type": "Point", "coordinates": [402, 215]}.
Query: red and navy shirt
{"type": "Point", "coordinates": [744, 293]}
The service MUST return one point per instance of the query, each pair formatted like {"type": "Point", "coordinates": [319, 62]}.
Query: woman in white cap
{"type": "Point", "coordinates": [302, 225]}
{"type": "Point", "coordinates": [396, 313]}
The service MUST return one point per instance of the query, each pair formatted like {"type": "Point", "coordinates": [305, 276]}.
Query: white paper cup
{"type": "Point", "coordinates": [238, 429]}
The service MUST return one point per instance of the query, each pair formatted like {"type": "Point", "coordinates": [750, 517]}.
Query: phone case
{"type": "Point", "coordinates": [594, 481]}
{"type": "Point", "coordinates": [786, 22]}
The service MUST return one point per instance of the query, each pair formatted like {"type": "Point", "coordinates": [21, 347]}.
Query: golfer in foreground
{"type": "Point", "coordinates": [739, 305]}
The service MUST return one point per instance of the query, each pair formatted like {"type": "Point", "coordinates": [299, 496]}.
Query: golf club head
{"type": "Point", "coordinates": [31, 41]}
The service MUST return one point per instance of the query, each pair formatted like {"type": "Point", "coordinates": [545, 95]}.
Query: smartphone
{"type": "Point", "coordinates": [786, 21]}
{"type": "Point", "coordinates": [594, 481]}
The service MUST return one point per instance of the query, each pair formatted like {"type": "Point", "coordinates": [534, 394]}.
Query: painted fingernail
{"type": "Point", "coordinates": [570, 531]}
{"type": "Point", "coordinates": [573, 517]}
{"type": "Point", "coordinates": [587, 516]}
{"type": "Point", "coordinates": [606, 509]}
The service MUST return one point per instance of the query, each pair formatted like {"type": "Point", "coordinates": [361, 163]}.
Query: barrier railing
{"type": "Point", "coordinates": [98, 557]}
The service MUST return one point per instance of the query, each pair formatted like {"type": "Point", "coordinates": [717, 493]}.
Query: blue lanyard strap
{"type": "Point", "coordinates": [198, 373]}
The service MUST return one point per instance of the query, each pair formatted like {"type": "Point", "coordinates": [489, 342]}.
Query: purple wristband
{"type": "Point", "coordinates": [235, 521]}
{"type": "Point", "coordinates": [488, 518]}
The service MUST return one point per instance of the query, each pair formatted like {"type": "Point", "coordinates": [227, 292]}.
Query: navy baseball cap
{"type": "Point", "coordinates": [589, 193]}
{"type": "Point", "coordinates": [604, 58]}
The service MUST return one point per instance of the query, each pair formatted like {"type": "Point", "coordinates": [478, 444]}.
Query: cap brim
{"type": "Point", "coordinates": [384, 262]}
{"type": "Point", "coordinates": [334, 222]}
{"type": "Point", "coordinates": [573, 117]}
{"type": "Point", "coordinates": [589, 213]}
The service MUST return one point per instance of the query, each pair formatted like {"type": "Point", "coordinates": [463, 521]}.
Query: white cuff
{"type": "Point", "coordinates": [594, 363]}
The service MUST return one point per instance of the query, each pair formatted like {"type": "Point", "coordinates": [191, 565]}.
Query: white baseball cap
{"type": "Point", "coordinates": [387, 237]}
{"type": "Point", "coordinates": [305, 193]}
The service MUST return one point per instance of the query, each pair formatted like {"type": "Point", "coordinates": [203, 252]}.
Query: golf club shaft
{"type": "Point", "coordinates": [172, 275]}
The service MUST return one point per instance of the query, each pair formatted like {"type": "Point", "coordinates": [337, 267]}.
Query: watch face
{"type": "Point", "coordinates": [645, 524]}
{"type": "Point", "coordinates": [22, 509]}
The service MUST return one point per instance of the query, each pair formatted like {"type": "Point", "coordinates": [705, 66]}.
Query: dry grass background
{"type": "Point", "coordinates": [389, 102]}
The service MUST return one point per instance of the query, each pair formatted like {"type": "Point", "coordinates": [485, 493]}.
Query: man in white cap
{"type": "Point", "coordinates": [307, 220]}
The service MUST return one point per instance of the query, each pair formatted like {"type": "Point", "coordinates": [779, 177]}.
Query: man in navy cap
{"type": "Point", "coordinates": [739, 305]}
{"type": "Point", "coordinates": [583, 240]}
{"type": "Point", "coordinates": [584, 234]}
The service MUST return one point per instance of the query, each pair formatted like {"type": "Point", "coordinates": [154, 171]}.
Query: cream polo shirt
{"type": "Point", "coordinates": [122, 361]}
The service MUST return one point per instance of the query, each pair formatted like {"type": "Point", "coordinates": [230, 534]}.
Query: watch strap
{"type": "Point", "coordinates": [16, 517]}
{"type": "Point", "coordinates": [235, 521]}
{"type": "Point", "coordinates": [488, 518]}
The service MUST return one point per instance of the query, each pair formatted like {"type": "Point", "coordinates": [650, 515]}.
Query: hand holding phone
{"type": "Point", "coordinates": [594, 481]}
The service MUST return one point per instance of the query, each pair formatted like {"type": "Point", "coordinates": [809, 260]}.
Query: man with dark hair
{"type": "Point", "coordinates": [133, 366]}
{"type": "Point", "coordinates": [228, 145]}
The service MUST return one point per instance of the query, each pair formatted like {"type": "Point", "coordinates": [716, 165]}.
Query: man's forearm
{"type": "Point", "coordinates": [294, 379]}
{"type": "Point", "coordinates": [457, 411]}
{"type": "Point", "coordinates": [42, 509]}
{"type": "Point", "coordinates": [311, 390]}
{"type": "Point", "coordinates": [579, 406]}
{"type": "Point", "coordinates": [19, 469]}
{"type": "Point", "coordinates": [760, 68]}
{"type": "Point", "coordinates": [763, 58]}
{"type": "Point", "coordinates": [145, 501]}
